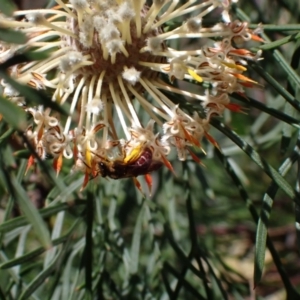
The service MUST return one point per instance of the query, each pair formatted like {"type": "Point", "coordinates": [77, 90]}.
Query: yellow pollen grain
{"type": "Point", "coordinates": [234, 66]}
{"type": "Point", "coordinates": [133, 155]}
{"type": "Point", "coordinates": [88, 156]}
{"type": "Point", "coordinates": [195, 75]}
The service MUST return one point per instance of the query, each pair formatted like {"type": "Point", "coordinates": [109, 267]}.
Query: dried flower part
{"type": "Point", "coordinates": [107, 55]}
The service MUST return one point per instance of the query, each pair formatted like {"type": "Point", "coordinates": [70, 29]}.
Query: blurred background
{"type": "Point", "coordinates": [196, 233]}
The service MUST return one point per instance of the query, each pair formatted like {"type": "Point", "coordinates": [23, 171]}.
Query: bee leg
{"type": "Point", "coordinates": [99, 156]}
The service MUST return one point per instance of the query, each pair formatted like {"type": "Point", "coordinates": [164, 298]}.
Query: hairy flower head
{"type": "Point", "coordinates": [106, 60]}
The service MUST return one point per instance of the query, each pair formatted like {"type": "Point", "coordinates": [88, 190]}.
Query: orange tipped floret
{"type": "Point", "coordinates": [167, 164]}
{"type": "Point", "coordinates": [148, 179]}
{"type": "Point", "coordinates": [244, 78]}
{"type": "Point", "coordinates": [30, 163]}
{"type": "Point", "coordinates": [235, 107]}
{"type": "Point", "coordinates": [190, 138]}
{"type": "Point", "coordinates": [257, 38]}
{"type": "Point", "coordinates": [242, 52]}
{"type": "Point", "coordinates": [94, 170]}
{"type": "Point", "coordinates": [194, 157]}
{"type": "Point", "coordinates": [57, 163]}
{"type": "Point", "coordinates": [75, 152]}
{"type": "Point", "coordinates": [40, 133]}
{"type": "Point", "coordinates": [138, 185]}
{"type": "Point", "coordinates": [86, 180]}
{"type": "Point", "coordinates": [211, 140]}
{"type": "Point", "coordinates": [247, 85]}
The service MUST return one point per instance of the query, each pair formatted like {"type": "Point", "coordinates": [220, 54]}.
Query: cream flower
{"type": "Point", "coordinates": [105, 56]}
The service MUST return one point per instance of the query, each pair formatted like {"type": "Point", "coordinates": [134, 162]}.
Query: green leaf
{"type": "Point", "coordinates": [24, 58]}
{"type": "Point", "coordinates": [10, 203]}
{"type": "Point", "coordinates": [37, 55]}
{"type": "Point", "coordinates": [270, 171]}
{"type": "Point", "coordinates": [28, 257]}
{"type": "Point", "coordinates": [45, 212]}
{"type": "Point", "coordinates": [184, 282]}
{"type": "Point", "coordinates": [12, 36]}
{"type": "Point", "coordinates": [13, 114]}
{"type": "Point", "coordinates": [6, 135]}
{"type": "Point", "coordinates": [25, 153]}
{"type": "Point", "coordinates": [261, 238]}
{"type": "Point", "coordinates": [166, 283]}
{"type": "Point", "coordinates": [274, 27]}
{"type": "Point", "coordinates": [7, 7]}
{"type": "Point", "coordinates": [88, 250]}
{"type": "Point", "coordinates": [262, 227]}
{"type": "Point", "coordinates": [136, 242]}
{"type": "Point", "coordinates": [32, 215]}
{"type": "Point", "coordinates": [276, 44]}
{"type": "Point", "coordinates": [33, 96]}
{"type": "Point", "coordinates": [287, 130]}
{"type": "Point", "coordinates": [276, 85]}
{"type": "Point", "coordinates": [58, 194]}
{"type": "Point", "coordinates": [285, 117]}
{"type": "Point", "coordinates": [42, 276]}
{"type": "Point", "coordinates": [183, 258]}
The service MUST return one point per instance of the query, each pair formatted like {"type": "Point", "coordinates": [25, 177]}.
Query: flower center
{"type": "Point", "coordinates": [113, 46]}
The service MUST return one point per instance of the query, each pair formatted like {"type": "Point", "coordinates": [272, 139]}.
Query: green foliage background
{"type": "Point", "coordinates": [203, 234]}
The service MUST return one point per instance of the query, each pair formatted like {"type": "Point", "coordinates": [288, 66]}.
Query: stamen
{"type": "Point", "coordinates": [45, 11]}
{"type": "Point", "coordinates": [39, 19]}
{"type": "Point", "coordinates": [119, 110]}
{"type": "Point", "coordinates": [148, 106]}
{"type": "Point", "coordinates": [126, 13]}
{"type": "Point", "coordinates": [180, 11]}
{"type": "Point", "coordinates": [153, 66]}
{"type": "Point", "coordinates": [155, 8]}
{"type": "Point", "coordinates": [155, 97]}
{"type": "Point", "coordinates": [73, 105]}
{"type": "Point", "coordinates": [99, 84]}
{"type": "Point", "coordinates": [138, 4]}
{"type": "Point", "coordinates": [105, 129]}
{"type": "Point", "coordinates": [129, 104]}
{"type": "Point", "coordinates": [66, 8]}
{"type": "Point", "coordinates": [163, 86]}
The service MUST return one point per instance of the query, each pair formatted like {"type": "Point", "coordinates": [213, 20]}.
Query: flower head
{"type": "Point", "coordinates": [108, 55]}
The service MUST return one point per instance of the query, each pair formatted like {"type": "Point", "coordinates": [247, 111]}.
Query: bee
{"type": "Point", "coordinates": [118, 169]}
